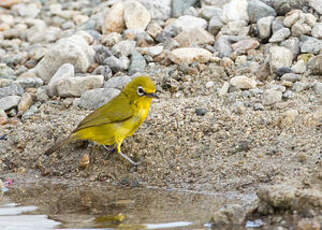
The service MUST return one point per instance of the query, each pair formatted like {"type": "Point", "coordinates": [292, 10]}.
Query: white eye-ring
{"type": "Point", "coordinates": [140, 91]}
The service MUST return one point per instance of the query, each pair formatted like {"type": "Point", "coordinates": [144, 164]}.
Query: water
{"type": "Point", "coordinates": [97, 206]}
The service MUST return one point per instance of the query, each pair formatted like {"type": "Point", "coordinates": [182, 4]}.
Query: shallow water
{"type": "Point", "coordinates": [96, 206]}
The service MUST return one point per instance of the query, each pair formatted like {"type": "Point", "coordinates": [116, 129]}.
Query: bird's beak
{"type": "Point", "coordinates": [152, 95]}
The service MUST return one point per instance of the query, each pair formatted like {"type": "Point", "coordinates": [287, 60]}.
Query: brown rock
{"type": "Point", "coordinates": [136, 15]}
{"type": "Point", "coordinates": [195, 36]}
{"type": "Point", "coordinates": [189, 55]}
{"type": "Point", "coordinates": [25, 103]}
{"type": "Point", "coordinates": [114, 19]}
{"type": "Point", "coordinates": [84, 161]}
{"type": "Point", "coordinates": [244, 45]}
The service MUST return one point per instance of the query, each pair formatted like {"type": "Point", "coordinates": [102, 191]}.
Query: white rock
{"type": "Point", "coordinates": [111, 39]}
{"type": "Point", "coordinates": [136, 15]}
{"type": "Point", "coordinates": [299, 67]}
{"type": "Point", "coordinates": [74, 87]}
{"type": "Point", "coordinates": [94, 98]}
{"type": "Point", "coordinates": [291, 18]}
{"type": "Point", "coordinates": [317, 5]}
{"type": "Point", "coordinates": [280, 35]}
{"type": "Point", "coordinates": [280, 57]}
{"type": "Point", "coordinates": [124, 48]}
{"type": "Point", "coordinates": [189, 55]}
{"type": "Point", "coordinates": [185, 23]}
{"type": "Point", "coordinates": [29, 82]}
{"type": "Point", "coordinates": [264, 26]}
{"type": "Point", "coordinates": [114, 19]}
{"type": "Point", "coordinates": [271, 96]}
{"type": "Point", "coordinates": [151, 50]}
{"type": "Point", "coordinates": [310, 19]}
{"type": "Point", "coordinates": [196, 36]}
{"type": "Point", "coordinates": [24, 103]}
{"type": "Point", "coordinates": [243, 82]}
{"type": "Point", "coordinates": [224, 89]}
{"type": "Point", "coordinates": [9, 102]}
{"type": "Point", "coordinates": [74, 50]}
{"type": "Point", "coordinates": [210, 84]}
{"type": "Point", "coordinates": [159, 10]}
{"type": "Point", "coordinates": [317, 31]}
{"type": "Point", "coordinates": [235, 10]}
{"type": "Point", "coordinates": [300, 28]}
{"type": "Point", "coordinates": [64, 72]}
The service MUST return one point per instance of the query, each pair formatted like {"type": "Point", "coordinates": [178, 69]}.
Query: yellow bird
{"type": "Point", "coordinates": [111, 123]}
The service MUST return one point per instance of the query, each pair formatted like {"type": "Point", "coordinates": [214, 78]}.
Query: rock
{"type": "Point", "coordinates": [215, 23]}
{"type": "Point", "coordinates": [141, 37]}
{"type": "Point", "coordinates": [189, 55]}
{"type": "Point", "coordinates": [13, 89]}
{"type": "Point", "coordinates": [264, 27]}
{"type": "Point", "coordinates": [196, 36]}
{"type": "Point", "coordinates": [292, 77]}
{"type": "Point", "coordinates": [242, 46]}
{"type": "Point", "coordinates": [74, 50]}
{"type": "Point", "coordinates": [287, 118]}
{"type": "Point", "coordinates": [185, 23]}
{"type": "Point", "coordinates": [243, 82]}
{"type": "Point", "coordinates": [223, 46]}
{"type": "Point", "coordinates": [299, 66]}
{"type": "Point", "coordinates": [103, 70]}
{"type": "Point", "coordinates": [300, 28]}
{"type": "Point", "coordinates": [94, 98]}
{"type": "Point", "coordinates": [300, 86]}
{"type": "Point", "coordinates": [224, 89]}
{"type": "Point", "coordinates": [25, 103]}
{"type": "Point", "coordinates": [117, 64]}
{"type": "Point", "coordinates": [111, 39]}
{"type": "Point", "coordinates": [280, 57]}
{"type": "Point", "coordinates": [124, 48]}
{"type": "Point", "coordinates": [138, 63]}
{"type": "Point", "coordinates": [29, 82]}
{"type": "Point", "coordinates": [207, 12]}
{"type": "Point", "coordinates": [291, 18]}
{"type": "Point", "coordinates": [293, 44]}
{"type": "Point", "coordinates": [283, 70]}
{"type": "Point", "coordinates": [27, 10]}
{"type": "Point", "coordinates": [271, 96]}
{"type": "Point", "coordinates": [310, 45]}
{"type": "Point", "coordinates": [201, 111]}
{"type": "Point", "coordinates": [154, 29]}
{"type": "Point", "coordinates": [151, 50]}
{"type": "Point", "coordinates": [9, 3]}
{"type": "Point", "coordinates": [316, 5]}
{"type": "Point", "coordinates": [9, 102]}
{"type": "Point", "coordinates": [64, 72]}
{"type": "Point", "coordinates": [41, 93]}
{"type": "Point", "coordinates": [235, 11]}
{"type": "Point", "coordinates": [257, 9]}
{"type": "Point", "coordinates": [74, 87]}
{"type": "Point", "coordinates": [280, 35]}
{"type": "Point", "coordinates": [317, 87]}
{"type": "Point", "coordinates": [136, 15]}
{"type": "Point", "coordinates": [230, 215]}
{"type": "Point", "coordinates": [310, 19]}
{"type": "Point", "coordinates": [179, 6]}
{"type": "Point", "coordinates": [287, 197]}
{"type": "Point", "coordinates": [159, 10]}
{"type": "Point", "coordinates": [277, 24]}
{"type": "Point", "coordinates": [33, 109]}
{"type": "Point", "coordinates": [314, 65]}
{"type": "Point", "coordinates": [101, 53]}
{"type": "Point", "coordinates": [114, 19]}
{"type": "Point", "coordinates": [239, 28]}
{"type": "Point", "coordinates": [84, 161]}
{"type": "Point", "coordinates": [258, 107]}
{"type": "Point", "coordinates": [117, 82]}
{"type": "Point", "coordinates": [317, 31]}
{"type": "Point", "coordinates": [209, 84]}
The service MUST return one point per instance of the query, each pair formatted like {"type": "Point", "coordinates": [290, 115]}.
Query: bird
{"type": "Point", "coordinates": [116, 120]}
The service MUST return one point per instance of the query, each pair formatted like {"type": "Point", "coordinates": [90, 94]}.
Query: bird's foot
{"type": "Point", "coordinates": [109, 149]}
{"type": "Point", "coordinates": [130, 160]}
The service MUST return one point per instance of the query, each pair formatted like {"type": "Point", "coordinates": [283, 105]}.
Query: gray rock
{"type": "Point", "coordinates": [185, 22]}
{"type": "Point", "coordinates": [179, 6]}
{"type": "Point", "coordinates": [223, 46]}
{"type": "Point", "coordinates": [300, 28]}
{"type": "Point", "coordinates": [280, 57]}
{"type": "Point", "coordinates": [101, 53]}
{"type": "Point", "coordinates": [117, 82]}
{"type": "Point", "coordinates": [138, 63]}
{"type": "Point", "coordinates": [207, 12]}
{"type": "Point", "coordinates": [29, 82]}
{"type": "Point", "coordinates": [41, 93]}
{"type": "Point", "coordinates": [31, 111]}
{"type": "Point", "coordinates": [283, 70]}
{"type": "Point", "coordinates": [151, 50]}
{"type": "Point", "coordinates": [6, 71]}
{"type": "Point", "coordinates": [288, 94]}
{"type": "Point", "coordinates": [141, 37]}
{"type": "Point", "coordinates": [317, 30]}
{"type": "Point", "coordinates": [74, 87]}
{"type": "Point", "coordinates": [310, 45]}
{"type": "Point", "coordinates": [215, 23]}
{"type": "Point", "coordinates": [271, 96]}
{"type": "Point", "coordinates": [238, 28]}
{"type": "Point", "coordinates": [9, 102]}
{"type": "Point", "coordinates": [111, 39]}
{"type": "Point", "coordinates": [94, 98]}
{"type": "Point", "coordinates": [292, 77]}
{"type": "Point", "coordinates": [117, 64]}
{"type": "Point", "coordinates": [103, 70]}
{"type": "Point", "coordinates": [258, 107]}
{"type": "Point", "coordinates": [317, 87]}
{"type": "Point", "coordinates": [258, 9]}
{"type": "Point", "coordinates": [65, 71]}
{"type": "Point", "coordinates": [13, 89]}
{"type": "Point", "coordinates": [277, 24]}
{"type": "Point", "coordinates": [264, 26]}
{"type": "Point", "coordinates": [300, 86]}
{"type": "Point", "coordinates": [280, 35]}
{"type": "Point", "coordinates": [74, 50]}
{"type": "Point", "coordinates": [42, 33]}
{"type": "Point", "coordinates": [201, 111]}
{"type": "Point", "coordinates": [314, 65]}
{"type": "Point", "coordinates": [159, 10]}
{"type": "Point", "coordinates": [293, 44]}
{"type": "Point", "coordinates": [124, 48]}
{"type": "Point", "coordinates": [316, 5]}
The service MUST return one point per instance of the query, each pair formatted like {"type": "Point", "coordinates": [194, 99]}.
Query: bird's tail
{"type": "Point", "coordinates": [57, 145]}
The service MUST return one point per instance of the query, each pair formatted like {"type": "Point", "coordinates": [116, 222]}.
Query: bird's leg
{"type": "Point", "coordinates": [126, 157]}
{"type": "Point", "coordinates": [109, 149]}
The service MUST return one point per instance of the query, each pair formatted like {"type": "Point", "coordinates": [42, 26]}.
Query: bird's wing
{"type": "Point", "coordinates": [116, 110]}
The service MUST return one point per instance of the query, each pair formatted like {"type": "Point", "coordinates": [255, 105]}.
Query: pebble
{"type": "Point", "coordinates": [292, 77]}
{"type": "Point", "coordinates": [179, 6]}
{"type": "Point", "coordinates": [184, 23]}
{"type": "Point", "coordinates": [111, 39]}
{"type": "Point", "coordinates": [117, 64]}
{"type": "Point", "coordinates": [114, 19]}
{"type": "Point", "coordinates": [300, 86]}
{"type": "Point", "coordinates": [75, 86]}
{"type": "Point", "coordinates": [243, 46]}
{"type": "Point", "coordinates": [243, 82]}
{"type": "Point", "coordinates": [25, 103]}
{"type": "Point", "coordinates": [271, 96]}
{"type": "Point", "coordinates": [138, 63]}
{"type": "Point", "coordinates": [189, 55]}
{"type": "Point", "coordinates": [314, 65]}
{"type": "Point", "coordinates": [264, 27]}
{"type": "Point", "coordinates": [317, 87]}
{"type": "Point", "coordinates": [153, 29]}
{"type": "Point", "coordinates": [159, 10]}
{"type": "Point", "coordinates": [201, 111]}
{"type": "Point", "coordinates": [215, 23]}
{"type": "Point", "coordinates": [30, 112]}
{"type": "Point", "coordinates": [280, 35]}
{"type": "Point", "coordinates": [310, 45]}
{"type": "Point", "coordinates": [9, 102]}
{"type": "Point", "coordinates": [103, 70]}
{"type": "Point", "coordinates": [195, 36]}
{"type": "Point", "coordinates": [299, 66]}
{"type": "Point", "coordinates": [151, 50]}
{"type": "Point", "coordinates": [136, 15]}
{"type": "Point", "coordinates": [84, 161]}
{"type": "Point", "coordinates": [258, 107]}
{"type": "Point", "coordinates": [317, 31]}
{"type": "Point", "coordinates": [29, 82]}
{"type": "Point", "coordinates": [293, 44]}
{"type": "Point", "coordinates": [41, 93]}
{"type": "Point", "coordinates": [123, 48]}
{"type": "Point", "coordinates": [12, 89]}
{"type": "Point", "coordinates": [224, 89]}
{"type": "Point", "coordinates": [280, 57]}
{"type": "Point", "coordinates": [258, 9]}
{"type": "Point", "coordinates": [235, 11]}
{"type": "Point", "coordinates": [64, 72]}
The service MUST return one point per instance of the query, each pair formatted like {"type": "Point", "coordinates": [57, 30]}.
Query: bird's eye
{"type": "Point", "coordinates": [140, 91]}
